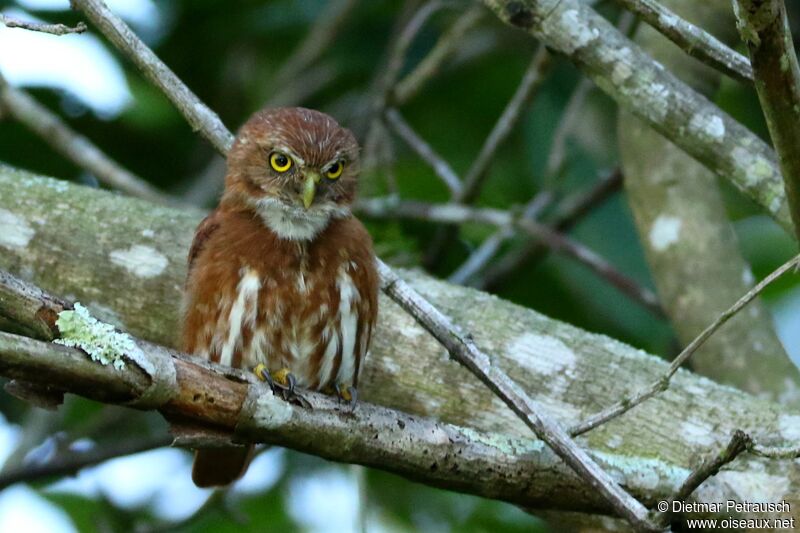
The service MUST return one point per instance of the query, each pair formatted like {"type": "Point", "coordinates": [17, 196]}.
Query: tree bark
{"type": "Point", "coordinates": [125, 259]}
{"type": "Point", "coordinates": [642, 86]}
{"type": "Point", "coordinates": [689, 242]}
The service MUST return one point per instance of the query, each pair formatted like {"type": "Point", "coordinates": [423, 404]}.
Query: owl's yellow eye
{"type": "Point", "coordinates": [335, 170]}
{"type": "Point", "coordinates": [280, 162]}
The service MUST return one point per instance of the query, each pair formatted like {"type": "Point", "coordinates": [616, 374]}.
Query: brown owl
{"type": "Point", "coordinates": [282, 277]}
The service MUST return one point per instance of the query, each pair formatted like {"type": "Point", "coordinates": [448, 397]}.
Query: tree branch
{"type": "Point", "coordinates": [70, 463]}
{"type": "Point", "coordinates": [693, 40]}
{"type": "Point", "coordinates": [623, 71]}
{"type": "Point", "coordinates": [73, 145]}
{"type": "Point", "coordinates": [764, 26]}
{"type": "Point", "coordinates": [568, 213]}
{"type": "Point", "coordinates": [441, 167]}
{"type": "Point", "coordinates": [621, 501]}
{"type": "Point", "coordinates": [464, 350]}
{"type": "Point", "coordinates": [457, 213]}
{"type": "Point", "coordinates": [566, 369]}
{"type": "Point", "coordinates": [662, 383]}
{"type": "Point", "coordinates": [688, 238]}
{"type": "Point", "coordinates": [199, 116]}
{"type": "Point", "coordinates": [52, 29]}
{"type": "Point", "coordinates": [408, 87]}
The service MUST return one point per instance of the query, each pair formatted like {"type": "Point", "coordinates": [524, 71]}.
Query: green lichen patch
{"type": "Point", "coordinates": [101, 341]}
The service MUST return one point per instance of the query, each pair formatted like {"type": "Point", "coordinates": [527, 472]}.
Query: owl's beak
{"type": "Point", "coordinates": [310, 187]}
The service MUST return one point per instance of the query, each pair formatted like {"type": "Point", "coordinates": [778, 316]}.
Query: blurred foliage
{"type": "Point", "coordinates": [228, 53]}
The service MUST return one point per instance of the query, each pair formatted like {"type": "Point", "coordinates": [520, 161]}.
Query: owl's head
{"type": "Point", "coordinates": [296, 167]}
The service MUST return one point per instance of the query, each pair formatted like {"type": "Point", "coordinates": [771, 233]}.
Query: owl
{"type": "Point", "coordinates": [282, 277]}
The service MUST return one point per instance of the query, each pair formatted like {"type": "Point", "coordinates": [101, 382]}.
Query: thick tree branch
{"type": "Point", "coordinates": [693, 40]}
{"type": "Point", "coordinates": [687, 236]}
{"type": "Point", "coordinates": [132, 273]}
{"type": "Point", "coordinates": [73, 145]}
{"type": "Point", "coordinates": [764, 26]}
{"type": "Point", "coordinates": [622, 70]}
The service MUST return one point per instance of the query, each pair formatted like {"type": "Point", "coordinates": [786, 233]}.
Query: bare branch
{"type": "Point", "coordinates": [572, 112]}
{"type": "Point", "coordinates": [73, 145]}
{"type": "Point", "coordinates": [71, 462]}
{"type": "Point", "coordinates": [640, 85]}
{"type": "Point", "coordinates": [317, 40]}
{"type": "Point", "coordinates": [423, 149]}
{"type": "Point", "coordinates": [458, 213]}
{"type": "Point", "coordinates": [52, 29]}
{"type": "Point", "coordinates": [692, 39]}
{"type": "Point", "coordinates": [487, 250]}
{"type": "Point", "coordinates": [569, 370]}
{"type": "Point", "coordinates": [408, 87]}
{"type": "Point", "coordinates": [663, 382]}
{"type": "Point", "coordinates": [532, 79]}
{"type": "Point", "coordinates": [464, 351]}
{"type": "Point", "coordinates": [764, 26]}
{"type": "Point", "coordinates": [739, 443]}
{"type": "Point", "coordinates": [434, 453]}
{"type": "Point", "coordinates": [776, 452]}
{"type": "Point", "coordinates": [199, 116]}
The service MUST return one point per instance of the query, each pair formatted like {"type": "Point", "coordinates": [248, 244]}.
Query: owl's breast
{"type": "Point", "coordinates": [310, 309]}
{"type": "Point", "coordinates": [312, 321]}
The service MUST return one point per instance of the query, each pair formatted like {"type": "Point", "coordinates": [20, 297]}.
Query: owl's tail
{"type": "Point", "coordinates": [214, 467]}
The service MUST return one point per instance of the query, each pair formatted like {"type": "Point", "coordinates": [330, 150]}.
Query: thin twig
{"type": "Point", "coordinates": [478, 259]}
{"type": "Point", "coordinates": [662, 383]}
{"type": "Point", "coordinates": [423, 149]}
{"type": "Point", "coordinates": [481, 256]}
{"type": "Point", "coordinates": [377, 137]}
{"type": "Point", "coordinates": [776, 452]}
{"type": "Point", "coordinates": [317, 40]}
{"type": "Point", "coordinates": [569, 212]}
{"type": "Point", "coordinates": [570, 116]}
{"type": "Point", "coordinates": [69, 463]}
{"type": "Point", "coordinates": [73, 145]}
{"type": "Point", "coordinates": [459, 214]}
{"type": "Point", "coordinates": [199, 116]}
{"type": "Point", "coordinates": [464, 351]}
{"type": "Point", "coordinates": [738, 443]}
{"type": "Point", "coordinates": [555, 161]}
{"type": "Point", "coordinates": [532, 79]}
{"type": "Point", "coordinates": [693, 40]}
{"type": "Point", "coordinates": [52, 29]}
{"type": "Point", "coordinates": [408, 87]}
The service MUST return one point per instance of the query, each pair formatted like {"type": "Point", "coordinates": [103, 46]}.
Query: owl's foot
{"type": "Point", "coordinates": [347, 393]}
{"type": "Point", "coordinates": [281, 382]}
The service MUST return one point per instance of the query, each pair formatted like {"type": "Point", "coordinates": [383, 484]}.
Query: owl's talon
{"type": "Point", "coordinates": [261, 372]}
{"type": "Point", "coordinates": [348, 394]}
{"type": "Point", "coordinates": [289, 386]}
{"type": "Point", "coordinates": [353, 392]}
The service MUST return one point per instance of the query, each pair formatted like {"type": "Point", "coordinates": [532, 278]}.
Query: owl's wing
{"type": "Point", "coordinates": [209, 225]}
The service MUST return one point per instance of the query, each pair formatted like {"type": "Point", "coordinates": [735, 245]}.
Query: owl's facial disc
{"type": "Point", "coordinates": [297, 168]}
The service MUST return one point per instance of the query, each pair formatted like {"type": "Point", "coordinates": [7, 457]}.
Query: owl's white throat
{"type": "Point", "coordinates": [297, 223]}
